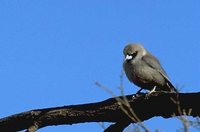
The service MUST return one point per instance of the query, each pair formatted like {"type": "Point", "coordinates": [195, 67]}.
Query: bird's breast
{"type": "Point", "coordinates": [130, 71]}
{"type": "Point", "coordinates": [142, 75]}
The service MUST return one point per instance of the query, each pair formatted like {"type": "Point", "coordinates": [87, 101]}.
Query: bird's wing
{"type": "Point", "coordinates": [155, 64]}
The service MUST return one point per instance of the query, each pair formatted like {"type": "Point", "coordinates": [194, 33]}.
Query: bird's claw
{"type": "Point", "coordinates": [152, 91]}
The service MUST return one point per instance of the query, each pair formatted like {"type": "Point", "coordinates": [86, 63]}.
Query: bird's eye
{"type": "Point", "coordinates": [134, 54]}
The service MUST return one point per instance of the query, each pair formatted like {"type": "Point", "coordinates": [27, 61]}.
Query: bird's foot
{"type": "Point", "coordinates": [152, 91]}
{"type": "Point", "coordinates": [138, 93]}
{"type": "Point", "coordinates": [135, 96]}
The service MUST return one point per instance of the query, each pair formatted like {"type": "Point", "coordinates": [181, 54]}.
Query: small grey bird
{"type": "Point", "coordinates": [145, 70]}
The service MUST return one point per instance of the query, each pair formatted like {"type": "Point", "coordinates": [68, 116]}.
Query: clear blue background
{"type": "Point", "coordinates": [53, 52]}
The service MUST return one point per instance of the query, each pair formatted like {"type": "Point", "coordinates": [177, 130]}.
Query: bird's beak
{"type": "Point", "coordinates": [128, 57]}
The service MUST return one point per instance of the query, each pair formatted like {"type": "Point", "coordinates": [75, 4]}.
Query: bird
{"type": "Point", "coordinates": [145, 70]}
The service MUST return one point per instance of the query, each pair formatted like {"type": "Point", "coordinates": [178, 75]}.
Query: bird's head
{"type": "Point", "coordinates": [134, 52]}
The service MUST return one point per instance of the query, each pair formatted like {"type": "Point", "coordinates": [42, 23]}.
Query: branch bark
{"type": "Point", "coordinates": [114, 110]}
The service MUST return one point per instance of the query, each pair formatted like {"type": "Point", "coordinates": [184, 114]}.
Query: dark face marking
{"type": "Point", "coordinates": [134, 54]}
{"type": "Point", "coordinates": [130, 57]}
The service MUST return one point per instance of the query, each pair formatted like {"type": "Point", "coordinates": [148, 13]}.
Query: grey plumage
{"type": "Point", "coordinates": [145, 70]}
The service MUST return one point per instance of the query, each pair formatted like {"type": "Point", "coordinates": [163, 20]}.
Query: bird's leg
{"type": "Point", "coordinates": [136, 95]}
{"type": "Point", "coordinates": [139, 91]}
{"type": "Point", "coordinates": [151, 91]}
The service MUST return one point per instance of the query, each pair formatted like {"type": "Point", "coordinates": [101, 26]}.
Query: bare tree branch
{"type": "Point", "coordinates": [159, 104]}
{"type": "Point", "coordinates": [117, 127]}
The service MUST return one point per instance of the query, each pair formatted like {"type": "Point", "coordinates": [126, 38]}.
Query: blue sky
{"type": "Point", "coordinates": [53, 52]}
